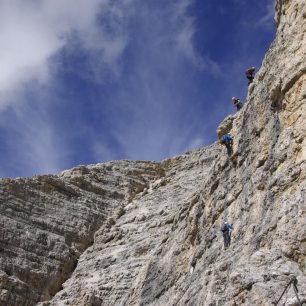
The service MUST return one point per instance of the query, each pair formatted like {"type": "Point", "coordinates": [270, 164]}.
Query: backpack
{"type": "Point", "coordinates": [237, 102]}
{"type": "Point", "coordinates": [227, 138]}
{"type": "Point", "coordinates": [250, 72]}
{"type": "Point", "coordinates": [224, 228]}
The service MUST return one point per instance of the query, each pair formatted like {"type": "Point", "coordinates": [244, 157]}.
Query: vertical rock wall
{"type": "Point", "coordinates": [142, 233]}
{"type": "Point", "coordinates": [261, 189]}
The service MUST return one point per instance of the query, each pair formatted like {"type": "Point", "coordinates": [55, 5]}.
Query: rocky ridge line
{"type": "Point", "coordinates": [141, 233]}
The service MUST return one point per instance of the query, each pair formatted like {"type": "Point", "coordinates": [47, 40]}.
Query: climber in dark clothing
{"type": "Point", "coordinates": [237, 103]}
{"type": "Point", "coordinates": [227, 140]}
{"type": "Point", "coordinates": [226, 229]}
{"type": "Point", "coordinates": [250, 74]}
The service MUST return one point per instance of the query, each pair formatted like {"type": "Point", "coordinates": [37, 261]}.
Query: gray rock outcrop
{"type": "Point", "coordinates": [48, 221]}
{"type": "Point", "coordinates": [148, 233]}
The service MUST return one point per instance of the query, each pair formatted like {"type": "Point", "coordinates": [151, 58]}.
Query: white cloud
{"type": "Point", "coordinates": [152, 104]}
{"type": "Point", "coordinates": [184, 40]}
{"type": "Point", "coordinates": [32, 35]}
{"type": "Point", "coordinates": [185, 32]}
{"type": "Point", "coordinates": [267, 20]}
{"type": "Point", "coordinates": [154, 118]}
{"type": "Point", "coordinates": [102, 151]}
{"type": "Point", "coordinates": [31, 32]}
{"type": "Point", "coordinates": [31, 139]}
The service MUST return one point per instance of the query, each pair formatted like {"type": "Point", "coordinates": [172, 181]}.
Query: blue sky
{"type": "Point", "coordinates": [91, 81]}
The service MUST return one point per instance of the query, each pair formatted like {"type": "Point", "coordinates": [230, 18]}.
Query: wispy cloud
{"type": "Point", "coordinates": [88, 81]}
{"type": "Point", "coordinates": [33, 35]}
{"type": "Point", "coordinates": [185, 36]}
{"type": "Point", "coordinates": [153, 114]}
{"type": "Point", "coordinates": [32, 32]}
{"type": "Point", "coordinates": [267, 20]}
{"type": "Point", "coordinates": [31, 142]}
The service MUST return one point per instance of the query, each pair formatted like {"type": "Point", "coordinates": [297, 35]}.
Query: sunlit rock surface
{"type": "Point", "coordinates": [148, 233]}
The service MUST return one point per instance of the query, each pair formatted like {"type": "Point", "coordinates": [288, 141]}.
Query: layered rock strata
{"type": "Point", "coordinates": [48, 221]}
{"type": "Point", "coordinates": [142, 233]}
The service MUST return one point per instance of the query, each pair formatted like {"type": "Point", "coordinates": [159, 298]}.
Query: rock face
{"type": "Point", "coordinates": [147, 233]}
{"type": "Point", "coordinates": [48, 221]}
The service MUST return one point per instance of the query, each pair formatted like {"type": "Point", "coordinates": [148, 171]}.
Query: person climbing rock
{"type": "Point", "coordinates": [237, 103]}
{"type": "Point", "coordinates": [226, 230]}
{"type": "Point", "coordinates": [227, 140]}
{"type": "Point", "coordinates": [250, 74]}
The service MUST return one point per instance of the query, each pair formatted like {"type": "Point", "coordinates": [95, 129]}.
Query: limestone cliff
{"type": "Point", "coordinates": [148, 233]}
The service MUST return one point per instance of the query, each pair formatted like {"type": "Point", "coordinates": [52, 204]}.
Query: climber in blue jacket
{"type": "Point", "coordinates": [227, 140]}
{"type": "Point", "coordinates": [226, 230]}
